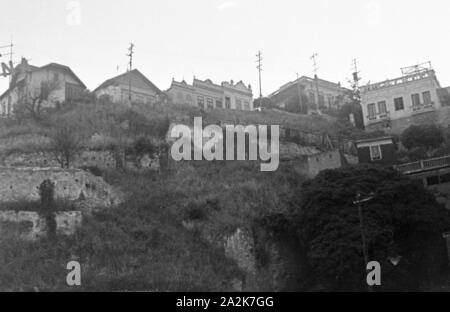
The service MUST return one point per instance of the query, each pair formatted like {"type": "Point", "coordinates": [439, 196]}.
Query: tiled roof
{"type": "Point", "coordinates": [116, 80]}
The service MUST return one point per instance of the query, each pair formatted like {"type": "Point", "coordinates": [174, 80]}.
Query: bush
{"type": "Point", "coordinates": [425, 136]}
{"type": "Point", "coordinates": [400, 218]}
{"type": "Point", "coordinates": [196, 211]}
{"type": "Point", "coordinates": [143, 146]}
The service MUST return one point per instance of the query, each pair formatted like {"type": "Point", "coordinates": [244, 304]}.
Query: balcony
{"type": "Point", "coordinates": [424, 165]}
{"type": "Point", "coordinates": [378, 117]}
{"type": "Point", "coordinates": [423, 108]}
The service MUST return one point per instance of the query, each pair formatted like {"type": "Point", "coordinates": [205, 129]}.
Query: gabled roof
{"type": "Point", "coordinates": [61, 67]}
{"type": "Point", "coordinates": [31, 68]}
{"type": "Point", "coordinates": [306, 79]}
{"type": "Point", "coordinates": [116, 80]}
{"type": "Point", "coordinates": [376, 139]}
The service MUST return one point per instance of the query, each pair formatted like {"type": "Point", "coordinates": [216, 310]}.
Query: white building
{"type": "Point", "coordinates": [206, 94]}
{"type": "Point", "coordinates": [49, 84]}
{"type": "Point", "coordinates": [118, 89]}
{"type": "Point", "coordinates": [395, 104]}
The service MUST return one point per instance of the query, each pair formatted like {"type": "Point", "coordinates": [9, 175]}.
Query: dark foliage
{"type": "Point", "coordinates": [402, 219]}
{"type": "Point", "coordinates": [425, 136]}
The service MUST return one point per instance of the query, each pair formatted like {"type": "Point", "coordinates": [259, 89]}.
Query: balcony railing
{"type": "Point", "coordinates": [423, 165]}
{"type": "Point", "coordinates": [378, 117]}
{"type": "Point", "coordinates": [423, 107]}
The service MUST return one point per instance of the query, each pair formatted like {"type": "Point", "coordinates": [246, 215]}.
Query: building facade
{"type": "Point", "coordinates": [379, 151]}
{"type": "Point", "coordinates": [321, 93]}
{"type": "Point", "coordinates": [206, 94]}
{"type": "Point", "coordinates": [119, 88]}
{"type": "Point", "coordinates": [395, 104]}
{"type": "Point", "coordinates": [49, 84]}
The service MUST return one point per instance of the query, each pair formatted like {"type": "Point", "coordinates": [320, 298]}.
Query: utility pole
{"type": "Point", "coordinates": [299, 91]}
{"type": "Point", "coordinates": [365, 251]}
{"type": "Point", "coordinates": [130, 55]}
{"type": "Point", "coordinates": [355, 73]}
{"type": "Point", "coordinates": [8, 70]}
{"type": "Point", "coordinates": [316, 78]}
{"type": "Point", "coordinates": [259, 67]}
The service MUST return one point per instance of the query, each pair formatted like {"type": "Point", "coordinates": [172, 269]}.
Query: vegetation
{"type": "Point", "coordinates": [422, 136]}
{"type": "Point", "coordinates": [168, 235]}
{"type": "Point", "coordinates": [402, 219]}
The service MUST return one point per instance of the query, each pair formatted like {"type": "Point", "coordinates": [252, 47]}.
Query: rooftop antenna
{"type": "Point", "coordinates": [130, 55]}
{"type": "Point", "coordinates": [6, 70]}
{"type": "Point", "coordinates": [316, 78]}
{"type": "Point", "coordinates": [259, 67]}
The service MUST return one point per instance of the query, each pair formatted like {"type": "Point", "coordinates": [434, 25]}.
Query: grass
{"type": "Point", "coordinates": [142, 245]}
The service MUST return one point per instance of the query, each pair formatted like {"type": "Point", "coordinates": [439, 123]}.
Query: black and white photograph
{"type": "Point", "coordinates": [224, 151]}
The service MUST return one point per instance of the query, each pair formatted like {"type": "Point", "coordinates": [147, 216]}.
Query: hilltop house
{"type": "Point", "coordinates": [322, 93]}
{"type": "Point", "coordinates": [118, 89]}
{"type": "Point", "coordinates": [379, 151]}
{"type": "Point", "coordinates": [395, 104]}
{"type": "Point", "coordinates": [50, 84]}
{"type": "Point", "coordinates": [207, 94]}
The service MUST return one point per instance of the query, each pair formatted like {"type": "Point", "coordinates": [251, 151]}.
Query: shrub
{"type": "Point", "coordinates": [425, 136]}
{"type": "Point", "coordinates": [143, 146]}
{"type": "Point", "coordinates": [196, 211]}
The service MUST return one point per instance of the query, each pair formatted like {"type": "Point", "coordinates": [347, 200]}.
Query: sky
{"type": "Point", "coordinates": [219, 39]}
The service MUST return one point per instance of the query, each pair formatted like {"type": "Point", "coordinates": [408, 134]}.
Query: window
{"type": "Point", "coordinates": [45, 90]}
{"type": "Point", "coordinates": [330, 101]}
{"type": "Point", "coordinates": [227, 102]}
{"type": "Point", "coordinates": [415, 99]}
{"type": "Point", "coordinates": [218, 104]}
{"type": "Point", "coordinates": [139, 99]}
{"type": "Point", "coordinates": [399, 105]}
{"type": "Point", "coordinates": [371, 111]}
{"type": "Point", "coordinates": [246, 105]}
{"type": "Point", "coordinates": [311, 97]}
{"type": "Point", "coordinates": [210, 103]}
{"type": "Point", "coordinates": [201, 101]}
{"type": "Point", "coordinates": [238, 104]}
{"type": "Point", "coordinates": [426, 97]}
{"type": "Point", "coordinates": [382, 107]}
{"type": "Point", "coordinates": [189, 99]}
{"type": "Point", "coordinates": [375, 152]}
{"type": "Point", "coordinates": [55, 76]}
{"type": "Point", "coordinates": [321, 100]}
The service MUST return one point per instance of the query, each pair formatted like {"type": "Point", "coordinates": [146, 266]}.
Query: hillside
{"type": "Point", "coordinates": [174, 231]}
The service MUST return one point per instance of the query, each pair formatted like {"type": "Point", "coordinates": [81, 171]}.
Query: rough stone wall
{"type": "Point", "coordinates": [22, 184]}
{"type": "Point", "coordinates": [271, 263]}
{"type": "Point", "coordinates": [67, 222]}
{"type": "Point", "coordinates": [240, 247]}
{"type": "Point", "coordinates": [326, 160]}
{"type": "Point", "coordinates": [87, 158]}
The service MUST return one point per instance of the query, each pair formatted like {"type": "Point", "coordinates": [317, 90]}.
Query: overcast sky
{"type": "Point", "coordinates": [218, 39]}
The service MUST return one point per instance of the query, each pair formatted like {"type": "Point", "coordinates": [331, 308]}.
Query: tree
{"type": "Point", "coordinates": [293, 105]}
{"type": "Point", "coordinates": [31, 104]}
{"type": "Point", "coordinates": [265, 103]}
{"type": "Point", "coordinates": [422, 136]}
{"type": "Point", "coordinates": [402, 219]}
{"type": "Point", "coordinates": [66, 142]}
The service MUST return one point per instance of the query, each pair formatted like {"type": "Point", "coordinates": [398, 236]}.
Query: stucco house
{"type": "Point", "coordinates": [206, 94]}
{"type": "Point", "coordinates": [322, 93]}
{"type": "Point", "coordinates": [130, 87]}
{"type": "Point", "coordinates": [53, 83]}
